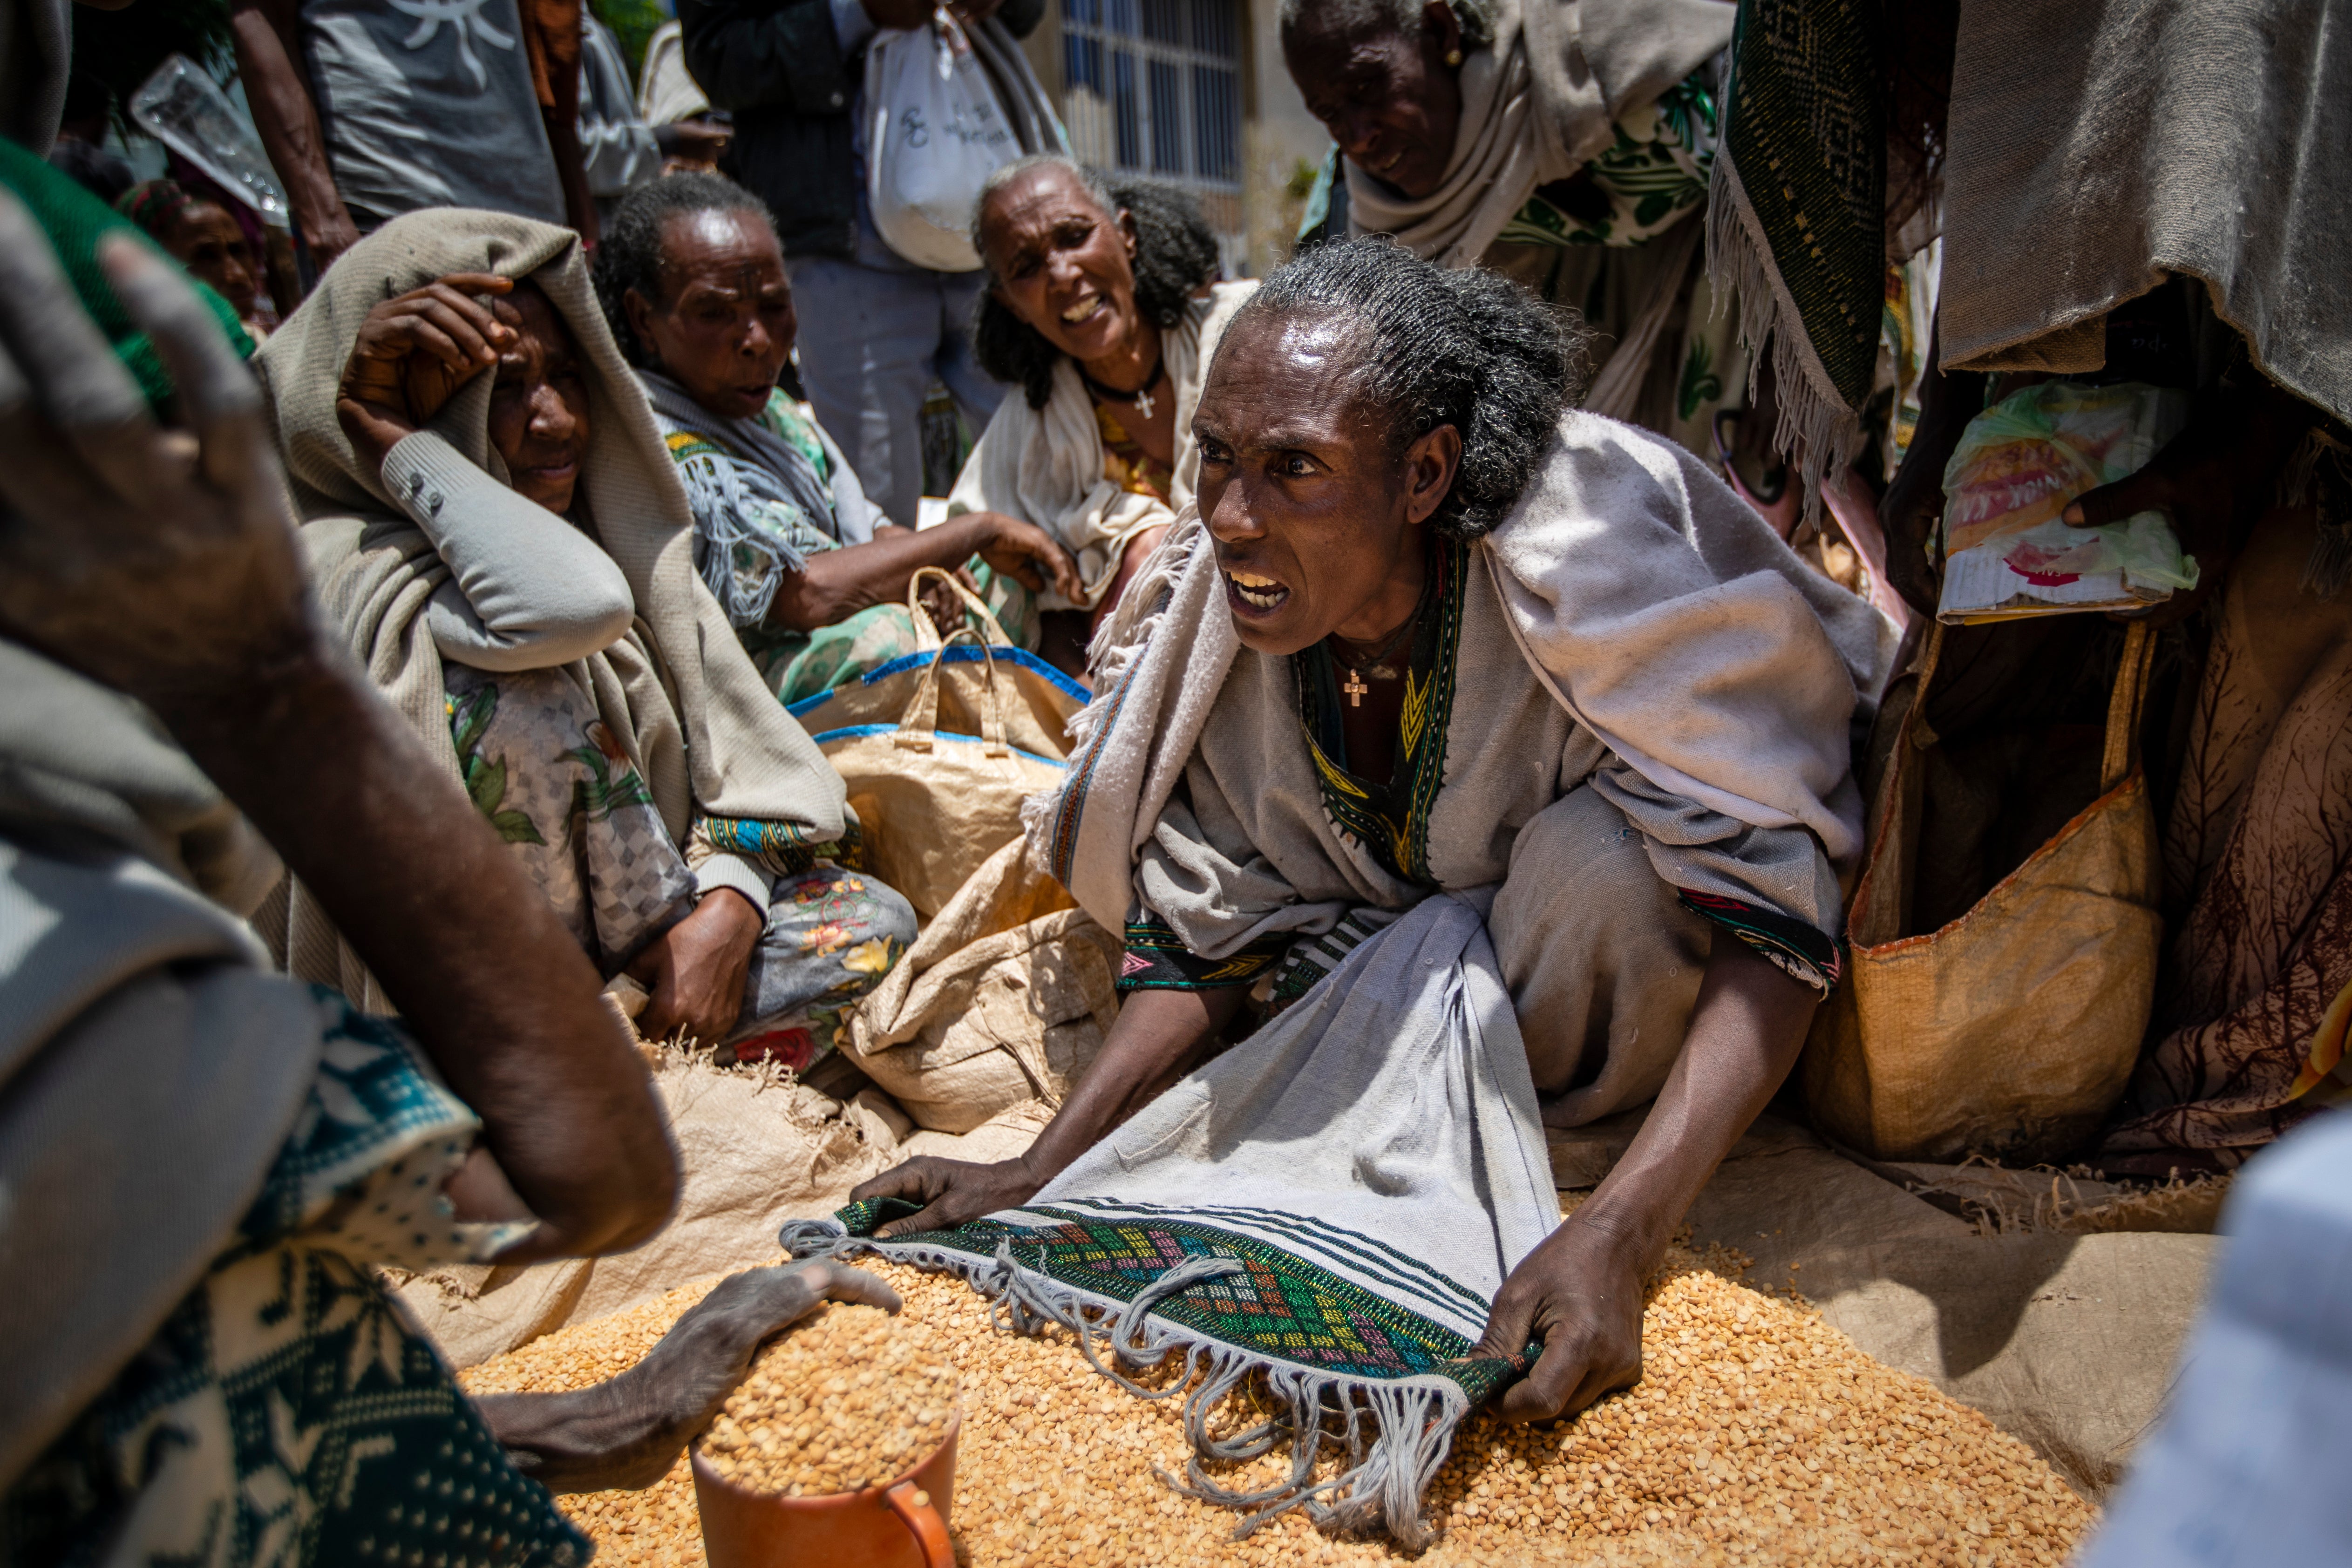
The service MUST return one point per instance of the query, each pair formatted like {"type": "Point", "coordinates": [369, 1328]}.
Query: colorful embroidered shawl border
{"type": "Point", "coordinates": [1282, 1308]}
{"type": "Point", "coordinates": [1803, 952]}
{"type": "Point", "coordinates": [1811, 158]}
{"type": "Point", "coordinates": [786, 849]}
{"type": "Point", "coordinates": [1157, 959]}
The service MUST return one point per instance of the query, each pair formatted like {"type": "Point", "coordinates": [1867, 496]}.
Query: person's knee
{"type": "Point", "coordinates": [1599, 957]}
{"type": "Point", "coordinates": [1582, 849]}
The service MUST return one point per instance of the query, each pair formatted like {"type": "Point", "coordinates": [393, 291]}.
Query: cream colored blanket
{"type": "Point", "coordinates": [1044, 466]}
{"type": "Point", "coordinates": [677, 692]}
{"type": "Point", "coordinates": [1659, 610]}
{"type": "Point", "coordinates": [1538, 101]}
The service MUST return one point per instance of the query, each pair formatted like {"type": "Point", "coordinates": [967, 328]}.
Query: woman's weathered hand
{"type": "Point", "coordinates": [951, 1191]}
{"type": "Point", "coordinates": [158, 561]}
{"type": "Point", "coordinates": [413, 352]}
{"type": "Point", "coordinates": [1581, 1294]}
{"type": "Point", "coordinates": [696, 969]}
{"type": "Point", "coordinates": [2211, 481]}
{"type": "Point", "coordinates": [1032, 556]}
{"type": "Point", "coordinates": [626, 1433]}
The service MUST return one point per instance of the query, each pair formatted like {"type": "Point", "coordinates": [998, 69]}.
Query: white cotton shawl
{"type": "Point", "coordinates": [1660, 610]}
{"type": "Point", "coordinates": [1538, 101]}
{"type": "Point", "coordinates": [1044, 466]}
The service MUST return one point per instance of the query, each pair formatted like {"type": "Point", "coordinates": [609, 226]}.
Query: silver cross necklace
{"type": "Point", "coordinates": [1140, 397]}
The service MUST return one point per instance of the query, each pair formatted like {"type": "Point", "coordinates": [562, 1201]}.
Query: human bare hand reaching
{"type": "Point", "coordinates": [625, 1432]}
{"type": "Point", "coordinates": [106, 508]}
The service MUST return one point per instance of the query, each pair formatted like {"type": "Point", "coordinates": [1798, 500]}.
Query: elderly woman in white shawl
{"type": "Point", "coordinates": [527, 596]}
{"type": "Point", "coordinates": [1101, 311]}
{"type": "Point", "coordinates": [1430, 630]}
{"type": "Point", "coordinates": [1566, 143]}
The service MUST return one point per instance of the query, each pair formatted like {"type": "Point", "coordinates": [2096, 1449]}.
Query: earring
{"type": "Point", "coordinates": [1453, 56]}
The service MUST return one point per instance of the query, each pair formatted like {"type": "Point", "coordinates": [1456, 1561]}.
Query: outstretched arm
{"type": "Point", "coordinates": [838, 584]}
{"type": "Point", "coordinates": [1581, 1291]}
{"type": "Point", "coordinates": [266, 35]}
{"type": "Point", "coordinates": [161, 563]}
{"type": "Point", "coordinates": [626, 1431]}
{"type": "Point", "coordinates": [1157, 1038]}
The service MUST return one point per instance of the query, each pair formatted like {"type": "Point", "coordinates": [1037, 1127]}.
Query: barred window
{"type": "Point", "coordinates": [1155, 85]}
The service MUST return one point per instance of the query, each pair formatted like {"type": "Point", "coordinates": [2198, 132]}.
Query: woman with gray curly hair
{"type": "Point", "coordinates": [1101, 308]}
{"type": "Point", "coordinates": [1432, 631]}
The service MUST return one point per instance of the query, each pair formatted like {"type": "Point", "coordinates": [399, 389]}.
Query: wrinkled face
{"type": "Point", "coordinates": [726, 326]}
{"type": "Point", "coordinates": [1061, 263]}
{"type": "Point", "coordinates": [208, 242]}
{"type": "Point", "coordinates": [1314, 509]}
{"type": "Point", "coordinates": [1388, 98]}
{"type": "Point", "coordinates": [539, 404]}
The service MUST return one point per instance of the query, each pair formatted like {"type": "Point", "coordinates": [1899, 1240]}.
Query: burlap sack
{"type": "Point", "coordinates": [1035, 700]}
{"type": "Point", "coordinates": [935, 805]}
{"type": "Point", "coordinates": [1005, 998]}
{"type": "Point", "coordinates": [757, 1150]}
{"type": "Point", "coordinates": [2013, 1030]}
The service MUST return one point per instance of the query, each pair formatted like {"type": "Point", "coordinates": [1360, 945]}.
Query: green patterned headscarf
{"type": "Point", "coordinates": [1797, 218]}
{"type": "Point", "coordinates": [74, 220]}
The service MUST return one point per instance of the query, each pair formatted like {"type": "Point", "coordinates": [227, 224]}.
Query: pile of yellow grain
{"type": "Point", "coordinates": [840, 1404]}
{"type": "Point", "coordinates": [1758, 1434]}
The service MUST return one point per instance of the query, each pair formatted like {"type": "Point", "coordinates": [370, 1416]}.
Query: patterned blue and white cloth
{"type": "Point", "coordinates": [285, 1414]}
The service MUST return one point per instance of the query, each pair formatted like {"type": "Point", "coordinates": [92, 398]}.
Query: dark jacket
{"type": "Point", "coordinates": [777, 67]}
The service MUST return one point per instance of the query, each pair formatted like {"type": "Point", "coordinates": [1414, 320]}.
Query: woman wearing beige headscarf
{"type": "Point", "coordinates": [528, 597]}
{"type": "Point", "coordinates": [1563, 143]}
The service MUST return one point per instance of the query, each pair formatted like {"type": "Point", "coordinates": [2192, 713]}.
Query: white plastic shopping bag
{"type": "Point", "coordinates": [936, 132]}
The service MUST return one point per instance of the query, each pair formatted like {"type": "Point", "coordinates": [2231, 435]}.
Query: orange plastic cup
{"type": "Point", "coordinates": [903, 1524]}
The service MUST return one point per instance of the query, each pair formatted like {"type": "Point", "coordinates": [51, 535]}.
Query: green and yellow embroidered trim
{"type": "Point", "coordinates": [1158, 960]}
{"type": "Point", "coordinates": [1392, 820]}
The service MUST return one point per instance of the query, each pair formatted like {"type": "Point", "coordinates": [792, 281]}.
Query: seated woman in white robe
{"type": "Point", "coordinates": [1102, 312]}
{"type": "Point", "coordinates": [1431, 630]}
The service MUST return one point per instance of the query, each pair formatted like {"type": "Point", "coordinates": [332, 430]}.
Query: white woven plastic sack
{"type": "Point", "coordinates": [936, 132]}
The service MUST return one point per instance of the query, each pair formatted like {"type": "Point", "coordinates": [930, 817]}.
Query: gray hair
{"type": "Point", "coordinates": [1364, 18]}
{"type": "Point", "coordinates": [1175, 254]}
{"type": "Point", "coordinates": [1469, 348]}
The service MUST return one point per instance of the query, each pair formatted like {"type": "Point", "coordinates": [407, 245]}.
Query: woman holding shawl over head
{"type": "Point", "coordinates": [1431, 637]}
{"type": "Point", "coordinates": [1565, 144]}
{"type": "Point", "coordinates": [1101, 310]}
{"type": "Point", "coordinates": [526, 596]}
{"type": "Point", "coordinates": [809, 572]}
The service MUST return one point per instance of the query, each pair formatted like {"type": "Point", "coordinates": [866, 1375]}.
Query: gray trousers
{"type": "Point", "coordinates": [871, 342]}
{"type": "Point", "coordinates": [1603, 961]}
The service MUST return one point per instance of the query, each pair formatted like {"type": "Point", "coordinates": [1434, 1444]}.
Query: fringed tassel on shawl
{"type": "Point", "coordinates": [1395, 1435]}
{"type": "Point", "coordinates": [1816, 431]}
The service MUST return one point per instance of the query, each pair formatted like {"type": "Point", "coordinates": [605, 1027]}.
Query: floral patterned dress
{"type": "Point", "coordinates": [543, 768]}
